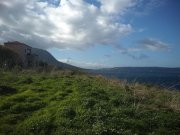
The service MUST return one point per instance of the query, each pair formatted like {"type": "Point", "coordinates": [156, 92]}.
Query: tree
{"type": "Point", "coordinates": [8, 58]}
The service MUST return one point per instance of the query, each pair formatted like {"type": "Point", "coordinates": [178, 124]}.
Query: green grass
{"type": "Point", "coordinates": [64, 103]}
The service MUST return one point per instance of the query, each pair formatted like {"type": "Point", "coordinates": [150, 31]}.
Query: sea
{"type": "Point", "coordinates": [168, 80]}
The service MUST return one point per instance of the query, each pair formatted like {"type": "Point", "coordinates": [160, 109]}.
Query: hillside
{"type": "Point", "coordinates": [64, 102]}
{"type": "Point", "coordinates": [30, 56]}
{"type": "Point", "coordinates": [45, 56]}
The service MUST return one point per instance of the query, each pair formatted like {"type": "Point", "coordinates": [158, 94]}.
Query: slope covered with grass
{"type": "Point", "coordinates": [64, 103]}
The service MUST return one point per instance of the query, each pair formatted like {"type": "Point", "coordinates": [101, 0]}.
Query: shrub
{"type": "Point", "coordinates": [8, 58]}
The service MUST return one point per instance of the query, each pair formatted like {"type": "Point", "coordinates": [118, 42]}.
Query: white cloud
{"type": "Point", "coordinates": [116, 6]}
{"type": "Point", "coordinates": [71, 24]}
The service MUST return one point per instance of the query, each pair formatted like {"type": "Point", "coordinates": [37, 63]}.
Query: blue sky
{"type": "Point", "coordinates": [97, 33]}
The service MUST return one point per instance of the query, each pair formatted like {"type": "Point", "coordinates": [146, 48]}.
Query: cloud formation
{"type": "Point", "coordinates": [63, 24]}
{"type": "Point", "coordinates": [116, 6]}
{"type": "Point", "coordinates": [136, 51]}
{"type": "Point", "coordinates": [153, 45]}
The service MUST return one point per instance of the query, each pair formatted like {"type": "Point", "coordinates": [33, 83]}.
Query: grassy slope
{"type": "Point", "coordinates": [60, 103]}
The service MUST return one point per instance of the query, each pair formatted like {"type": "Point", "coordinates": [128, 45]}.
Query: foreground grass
{"type": "Point", "coordinates": [63, 103]}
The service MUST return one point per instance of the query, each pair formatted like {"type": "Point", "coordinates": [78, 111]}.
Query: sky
{"type": "Point", "coordinates": [97, 33]}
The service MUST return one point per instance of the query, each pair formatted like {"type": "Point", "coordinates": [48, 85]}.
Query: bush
{"type": "Point", "coordinates": [8, 58]}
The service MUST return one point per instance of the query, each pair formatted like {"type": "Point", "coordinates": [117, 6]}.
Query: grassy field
{"type": "Point", "coordinates": [67, 103]}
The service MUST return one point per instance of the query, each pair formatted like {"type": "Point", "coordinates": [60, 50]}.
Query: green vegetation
{"type": "Point", "coordinates": [69, 103]}
{"type": "Point", "coordinates": [8, 58]}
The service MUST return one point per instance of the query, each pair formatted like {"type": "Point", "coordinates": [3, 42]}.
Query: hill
{"type": "Point", "coordinates": [45, 56]}
{"type": "Point", "coordinates": [64, 102]}
{"type": "Point", "coordinates": [32, 57]}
